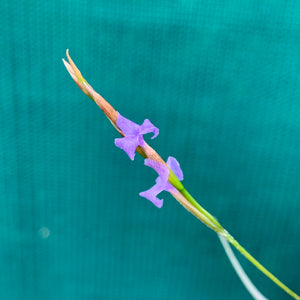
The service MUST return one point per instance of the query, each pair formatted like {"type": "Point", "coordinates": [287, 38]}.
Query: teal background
{"type": "Point", "coordinates": [221, 81]}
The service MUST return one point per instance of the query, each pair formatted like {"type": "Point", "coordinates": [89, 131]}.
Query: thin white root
{"type": "Point", "coordinates": [255, 293]}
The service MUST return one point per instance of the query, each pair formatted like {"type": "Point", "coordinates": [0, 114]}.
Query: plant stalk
{"type": "Point", "coordinates": [220, 230]}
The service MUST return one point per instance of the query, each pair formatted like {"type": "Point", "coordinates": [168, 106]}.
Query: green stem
{"type": "Point", "coordinates": [178, 185]}
{"type": "Point", "coordinates": [219, 229]}
{"type": "Point", "coordinates": [189, 197]}
{"type": "Point", "coordinates": [259, 265]}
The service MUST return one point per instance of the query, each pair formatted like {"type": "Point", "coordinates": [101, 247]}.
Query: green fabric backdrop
{"type": "Point", "coordinates": [221, 81]}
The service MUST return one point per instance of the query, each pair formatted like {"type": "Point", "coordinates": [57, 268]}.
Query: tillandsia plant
{"type": "Point", "coordinates": [170, 173]}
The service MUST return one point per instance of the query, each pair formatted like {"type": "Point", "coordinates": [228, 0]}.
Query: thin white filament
{"type": "Point", "coordinates": [255, 293]}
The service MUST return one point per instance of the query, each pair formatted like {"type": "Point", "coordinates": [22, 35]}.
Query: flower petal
{"type": "Point", "coordinates": [128, 144]}
{"type": "Point", "coordinates": [128, 127]}
{"type": "Point", "coordinates": [175, 167]}
{"type": "Point", "coordinates": [160, 168]}
{"type": "Point", "coordinates": [148, 127]}
{"type": "Point", "coordinates": [151, 195]}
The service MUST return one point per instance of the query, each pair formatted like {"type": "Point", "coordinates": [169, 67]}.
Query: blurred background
{"type": "Point", "coordinates": [221, 81]}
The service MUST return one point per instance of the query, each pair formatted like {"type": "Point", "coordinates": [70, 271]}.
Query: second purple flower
{"type": "Point", "coordinates": [162, 183]}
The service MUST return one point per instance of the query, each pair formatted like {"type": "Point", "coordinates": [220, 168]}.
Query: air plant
{"type": "Point", "coordinates": [169, 179]}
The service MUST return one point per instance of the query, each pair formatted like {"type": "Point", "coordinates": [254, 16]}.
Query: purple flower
{"type": "Point", "coordinates": [133, 134]}
{"type": "Point", "coordinates": [162, 183]}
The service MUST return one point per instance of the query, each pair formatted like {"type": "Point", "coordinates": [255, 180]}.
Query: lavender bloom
{"type": "Point", "coordinates": [133, 134]}
{"type": "Point", "coordinates": [162, 183]}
